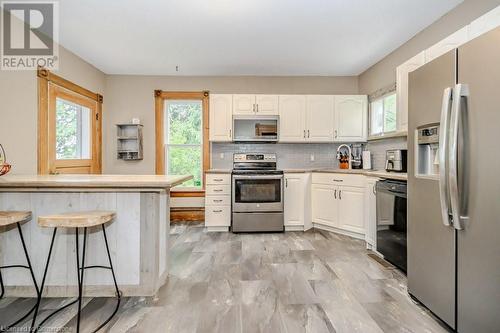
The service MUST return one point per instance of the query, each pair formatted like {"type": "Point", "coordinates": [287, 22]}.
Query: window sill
{"type": "Point", "coordinates": [391, 135]}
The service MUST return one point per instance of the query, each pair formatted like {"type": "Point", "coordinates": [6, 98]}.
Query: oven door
{"type": "Point", "coordinates": [257, 193]}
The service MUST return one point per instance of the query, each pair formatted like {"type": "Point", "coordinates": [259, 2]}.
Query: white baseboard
{"type": "Point", "coordinates": [339, 231]}
{"type": "Point", "coordinates": [218, 229]}
{"type": "Point", "coordinates": [294, 228]}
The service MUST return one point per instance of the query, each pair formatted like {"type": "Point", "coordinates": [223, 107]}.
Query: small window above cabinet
{"type": "Point", "coordinates": [383, 115]}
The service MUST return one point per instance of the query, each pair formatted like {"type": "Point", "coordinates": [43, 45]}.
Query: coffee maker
{"type": "Point", "coordinates": [357, 156]}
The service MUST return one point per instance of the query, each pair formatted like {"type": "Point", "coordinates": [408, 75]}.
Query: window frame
{"type": "Point", "coordinates": [383, 133]}
{"type": "Point", "coordinates": [160, 98]}
{"type": "Point", "coordinates": [51, 86]}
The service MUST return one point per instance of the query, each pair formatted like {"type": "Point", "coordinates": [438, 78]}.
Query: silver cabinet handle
{"type": "Point", "coordinates": [304, 134]}
{"type": "Point", "coordinates": [286, 183]}
{"type": "Point", "coordinates": [257, 107]}
{"type": "Point", "coordinates": [308, 134]}
{"type": "Point", "coordinates": [217, 211]}
{"type": "Point", "coordinates": [443, 150]}
{"type": "Point", "coordinates": [460, 94]}
{"type": "Point", "coordinates": [335, 193]}
{"type": "Point", "coordinates": [338, 180]}
{"type": "Point", "coordinates": [230, 134]}
{"type": "Point", "coordinates": [219, 200]}
{"type": "Point", "coordinates": [340, 194]}
{"type": "Point", "coordinates": [218, 180]}
{"type": "Point", "coordinates": [374, 189]}
{"type": "Point", "coordinates": [218, 190]}
{"type": "Point", "coordinates": [335, 134]}
{"type": "Point", "coordinates": [254, 107]}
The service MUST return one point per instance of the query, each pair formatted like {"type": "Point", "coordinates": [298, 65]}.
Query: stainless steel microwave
{"type": "Point", "coordinates": [255, 129]}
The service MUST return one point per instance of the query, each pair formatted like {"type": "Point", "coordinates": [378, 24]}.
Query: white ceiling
{"type": "Point", "coordinates": [242, 37]}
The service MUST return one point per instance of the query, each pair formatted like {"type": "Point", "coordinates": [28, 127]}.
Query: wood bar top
{"type": "Point", "coordinates": [76, 219]}
{"type": "Point", "coordinates": [10, 217]}
{"type": "Point", "coordinates": [92, 181]}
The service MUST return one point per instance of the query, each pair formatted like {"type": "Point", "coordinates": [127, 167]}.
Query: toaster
{"type": "Point", "coordinates": [395, 160]}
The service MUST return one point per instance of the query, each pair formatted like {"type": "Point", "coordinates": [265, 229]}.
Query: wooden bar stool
{"type": "Point", "coordinates": [77, 220]}
{"type": "Point", "coordinates": [8, 218]}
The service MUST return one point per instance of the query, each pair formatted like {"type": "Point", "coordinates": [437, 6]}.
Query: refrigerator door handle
{"type": "Point", "coordinates": [459, 106]}
{"type": "Point", "coordinates": [443, 149]}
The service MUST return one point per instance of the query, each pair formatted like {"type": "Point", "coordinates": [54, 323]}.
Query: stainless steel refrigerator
{"type": "Point", "coordinates": [454, 185]}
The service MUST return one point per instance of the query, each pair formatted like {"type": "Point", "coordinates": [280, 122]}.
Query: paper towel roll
{"type": "Point", "coordinates": [367, 160]}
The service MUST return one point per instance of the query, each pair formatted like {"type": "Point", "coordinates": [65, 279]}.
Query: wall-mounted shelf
{"type": "Point", "coordinates": [129, 142]}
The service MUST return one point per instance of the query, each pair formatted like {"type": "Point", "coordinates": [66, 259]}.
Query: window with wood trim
{"type": "Point", "coordinates": [69, 125]}
{"type": "Point", "coordinates": [182, 136]}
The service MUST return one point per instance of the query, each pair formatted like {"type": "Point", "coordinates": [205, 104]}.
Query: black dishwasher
{"type": "Point", "coordinates": [391, 221]}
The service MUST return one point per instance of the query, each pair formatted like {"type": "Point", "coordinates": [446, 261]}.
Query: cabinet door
{"type": "Point", "coordinates": [292, 111]}
{"type": "Point", "coordinates": [324, 205]}
{"type": "Point", "coordinates": [294, 199]}
{"type": "Point", "coordinates": [221, 119]}
{"type": "Point", "coordinates": [449, 43]}
{"type": "Point", "coordinates": [371, 212]}
{"type": "Point", "coordinates": [402, 72]}
{"type": "Point", "coordinates": [243, 104]}
{"type": "Point", "coordinates": [351, 120]}
{"type": "Point", "coordinates": [319, 118]}
{"type": "Point", "coordinates": [351, 209]}
{"type": "Point", "coordinates": [266, 105]}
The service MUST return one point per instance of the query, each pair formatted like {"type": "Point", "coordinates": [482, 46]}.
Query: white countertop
{"type": "Point", "coordinates": [91, 181]}
{"type": "Point", "coordinates": [370, 173]}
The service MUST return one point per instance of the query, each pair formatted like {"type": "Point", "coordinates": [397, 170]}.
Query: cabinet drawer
{"type": "Point", "coordinates": [218, 189]}
{"type": "Point", "coordinates": [218, 179]}
{"type": "Point", "coordinates": [338, 179]}
{"type": "Point", "coordinates": [218, 200]}
{"type": "Point", "coordinates": [218, 216]}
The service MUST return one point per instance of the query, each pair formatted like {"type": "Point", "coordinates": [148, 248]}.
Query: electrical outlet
{"type": "Point", "coordinates": [221, 156]}
{"type": "Point", "coordinates": [312, 157]}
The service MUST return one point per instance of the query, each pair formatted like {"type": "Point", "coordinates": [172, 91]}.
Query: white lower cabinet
{"type": "Point", "coordinates": [297, 201]}
{"type": "Point", "coordinates": [371, 213]}
{"type": "Point", "coordinates": [218, 202]}
{"type": "Point", "coordinates": [324, 205]}
{"type": "Point", "coordinates": [338, 202]}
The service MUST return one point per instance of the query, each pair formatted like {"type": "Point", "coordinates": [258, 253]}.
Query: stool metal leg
{"type": "Point", "coordinates": [1, 285]}
{"type": "Point", "coordinates": [43, 281]}
{"type": "Point", "coordinates": [80, 274]}
{"type": "Point", "coordinates": [118, 293]}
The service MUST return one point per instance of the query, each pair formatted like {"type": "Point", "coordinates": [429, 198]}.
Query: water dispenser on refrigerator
{"type": "Point", "coordinates": [427, 150]}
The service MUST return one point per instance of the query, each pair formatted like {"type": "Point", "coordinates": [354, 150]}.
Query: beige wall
{"type": "Point", "coordinates": [129, 97]}
{"type": "Point", "coordinates": [19, 107]}
{"type": "Point", "coordinates": [383, 73]}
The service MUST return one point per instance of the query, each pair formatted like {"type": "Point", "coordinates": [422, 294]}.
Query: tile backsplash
{"type": "Point", "coordinates": [298, 155]}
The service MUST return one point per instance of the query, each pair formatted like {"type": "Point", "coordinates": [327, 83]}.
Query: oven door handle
{"type": "Point", "coordinates": [258, 177]}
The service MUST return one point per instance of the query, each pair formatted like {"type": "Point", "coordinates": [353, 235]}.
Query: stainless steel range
{"type": "Point", "coordinates": [257, 194]}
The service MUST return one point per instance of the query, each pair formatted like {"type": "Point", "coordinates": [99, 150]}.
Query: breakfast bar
{"type": "Point", "coordinates": [138, 237]}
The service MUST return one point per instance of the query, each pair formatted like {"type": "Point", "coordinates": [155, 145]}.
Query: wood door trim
{"type": "Point", "coordinates": [46, 79]}
{"type": "Point", "coordinates": [160, 97]}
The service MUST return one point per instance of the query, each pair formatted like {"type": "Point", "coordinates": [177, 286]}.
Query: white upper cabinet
{"type": "Point", "coordinates": [266, 105]}
{"type": "Point", "coordinates": [485, 23]}
{"type": "Point", "coordinates": [319, 118]}
{"type": "Point", "coordinates": [402, 72]}
{"type": "Point", "coordinates": [243, 104]}
{"type": "Point", "coordinates": [292, 112]}
{"type": "Point", "coordinates": [351, 118]}
{"type": "Point", "coordinates": [221, 118]}
{"type": "Point", "coordinates": [449, 43]}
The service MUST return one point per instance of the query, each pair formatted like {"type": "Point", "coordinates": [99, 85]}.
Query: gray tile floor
{"type": "Point", "coordinates": [294, 282]}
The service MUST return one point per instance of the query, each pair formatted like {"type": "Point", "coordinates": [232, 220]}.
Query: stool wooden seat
{"type": "Point", "coordinates": [76, 220]}
{"type": "Point", "coordinates": [13, 216]}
